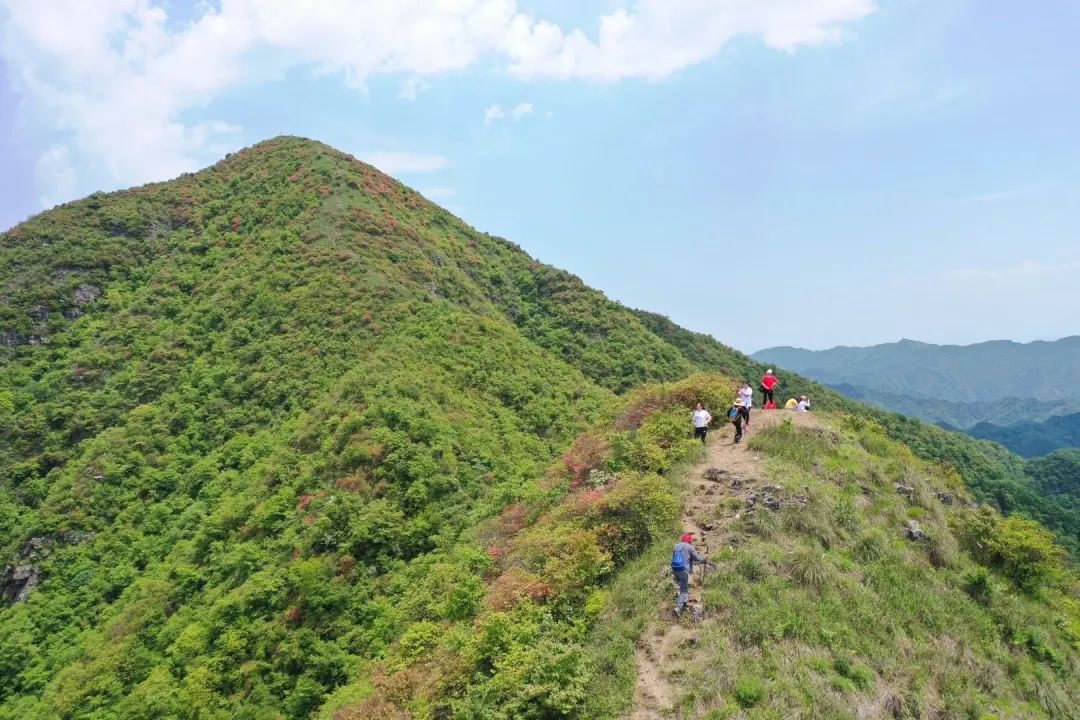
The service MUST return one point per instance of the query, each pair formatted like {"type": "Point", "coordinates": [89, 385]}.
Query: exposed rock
{"type": "Point", "coordinates": [17, 581]}
{"type": "Point", "coordinates": [904, 490]}
{"type": "Point", "coordinates": [771, 502]}
{"type": "Point", "coordinates": [737, 483]}
{"type": "Point", "coordinates": [714, 474]}
{"type": "Point", "coordinates": [697, 613]}
{"type": "Point", "coordinates": [86, 293]}
{"type": "Point", "coordinates": [707, 526]}
{"type": "Point", "coordinates": [946, 498]}
{"type": "Point", "coordinates": [24, 573]}
{"type": "Point", "coordinates": [913, 530]}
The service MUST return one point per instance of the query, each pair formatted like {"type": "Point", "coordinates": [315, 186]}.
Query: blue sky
{"type": "Point", "coordinates": [803, 172]}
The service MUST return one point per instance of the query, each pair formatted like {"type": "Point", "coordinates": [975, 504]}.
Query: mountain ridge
{"type": "Point", "coordinates": [283, 439]}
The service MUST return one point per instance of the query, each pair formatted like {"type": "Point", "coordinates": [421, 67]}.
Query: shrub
{"type": "Point", "coordinates": [808, 568]}
{"type": "Point", "coordinates": [638, 509]}
{"type": "Point", "coordinates": [872, 545]}
{"type": "Point", "coordinates": [749, 691]}
{"type": "Point", "coordinates": [942, 549]}
{"type": "Point", "coordinates": [814, 519]}
{"type": "Point", "coordinates": [860, 676]}
{"type": "Point", "coordinates": [749, 567]}
{"type": "Point", "coordinates": [765, 523]}
{"type": "Point", "coordinates": [979, 585]}
{"type": "Point", "coordinates": [845, 514]}
{"type": "Point", "coordinates": [588, 453]}
{"type": "Point", "coordinates": [1026, 552]}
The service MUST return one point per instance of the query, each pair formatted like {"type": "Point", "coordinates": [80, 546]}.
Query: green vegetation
{"type": "Point", "coordinates": [1032, 439]}
{"type": "Point", "coordinates": [992, 473]}
{"type": "Point", "coordinates": [833, 609]}
{"type": "Point", "coordinates": [281, 439]}
{"type": "Point", "coordinates": [1057, 476]}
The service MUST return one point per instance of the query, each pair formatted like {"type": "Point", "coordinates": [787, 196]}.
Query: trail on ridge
{"type": "Point", "coordinates": [741, 472]}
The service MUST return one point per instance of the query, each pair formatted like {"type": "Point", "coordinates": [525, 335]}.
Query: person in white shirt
{"type": "Point", "coordinates": [803, 405]}
{"type": "Point", "coordinates": [746, 394]}
{"type": "Point", "coordinates": [702, 418]}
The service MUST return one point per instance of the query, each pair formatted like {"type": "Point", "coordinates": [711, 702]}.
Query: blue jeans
{"type": "Point", "coordinates": [682, 579]}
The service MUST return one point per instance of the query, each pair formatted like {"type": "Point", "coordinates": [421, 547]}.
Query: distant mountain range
{"type": "Point", "coordinates": [1024, 395]}
{"type": "Point", "coordinates": [1032, 439]}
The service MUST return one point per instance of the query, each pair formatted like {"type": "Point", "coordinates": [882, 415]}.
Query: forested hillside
{"type": "Point", "coordinates": [282, 439]}
{"type": "Point", "coordinates": [1032, 439]}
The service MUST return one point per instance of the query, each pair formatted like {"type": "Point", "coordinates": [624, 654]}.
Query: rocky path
{"type": "Point", "coordinates": [728, 470]}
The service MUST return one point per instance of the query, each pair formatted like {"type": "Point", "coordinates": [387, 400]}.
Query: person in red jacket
{"type": "Point", "coordinates": [769, 381]}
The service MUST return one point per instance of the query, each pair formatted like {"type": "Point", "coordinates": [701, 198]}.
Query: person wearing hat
{"type": "Point", "coordinates": [769, 381]}
{"type": "Point", "coordinates": [739, 414]}
{"type": "Point", "coordinates": [746, 392]}
{"type": "Point", "coordinates": [682, 567]}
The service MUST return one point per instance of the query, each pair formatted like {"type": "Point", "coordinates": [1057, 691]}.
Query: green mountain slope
{"type": "Point", "coordinates": [1058, 476]}
{"type": "Point", "coordinates": [282, 439]}
{"type": "Point", "coordinates": [1032, 439]}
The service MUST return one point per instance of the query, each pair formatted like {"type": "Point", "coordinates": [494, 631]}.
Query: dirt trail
{"type": "Point", "coordinates": [740, 472]}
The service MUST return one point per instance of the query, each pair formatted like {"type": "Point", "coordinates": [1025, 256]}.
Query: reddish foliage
{"type": "Point", "coordinates": [515, 585]}
{"type": "Point", "coordinates": [586, 454]}
{"type": "Point", "coordinates": [294, 616]}
{"type": "Point", "coordinates": [346, 563]}
{"type": "Point", "coordinates": [638, 411]}
{"type": "Point", "coordinates": [513, 518]}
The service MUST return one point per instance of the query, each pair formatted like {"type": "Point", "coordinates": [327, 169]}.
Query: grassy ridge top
{"type": "Point", "coordinates": [269, 434]}
{"type": "Point", "coordinates": [828, 606]}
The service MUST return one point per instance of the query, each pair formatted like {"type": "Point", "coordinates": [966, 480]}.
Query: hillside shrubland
{"type": "Point", "coordinates": [282, 439]}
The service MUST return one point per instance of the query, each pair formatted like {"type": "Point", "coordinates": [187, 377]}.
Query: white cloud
{"type": "Point", "coordinates": [521, 110]}
{"type": "Point", "coordinates": [119, 80]}
{"type": "Point", "coordinates": [493, 113]}
{"type": "Point", "coordinates": [55, 176]}
{"type": "Point", "coordinates": [412, 88]}
{"type": "Point", "coordinates": [394, 163]}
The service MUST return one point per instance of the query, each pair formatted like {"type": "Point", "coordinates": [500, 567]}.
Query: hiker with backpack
{"type": "Point", "coordinates": [737, 415]}
{"type": "Point", "coordinates": [702, 418]}
{"type": "Point", "coordinates": [682, 567]}
{"type": "Point", "coordinates": [746, 393]}
{"type": "Point", "coordinates": [769, 381]}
